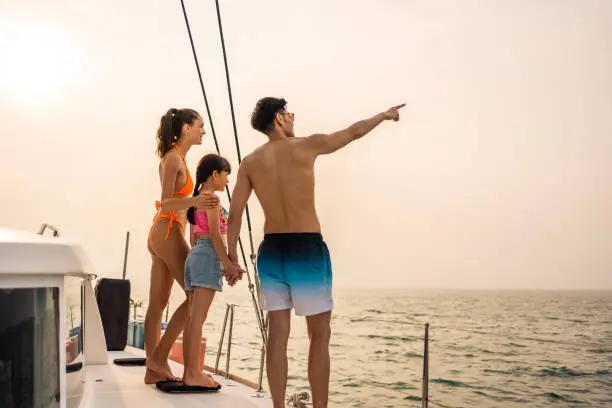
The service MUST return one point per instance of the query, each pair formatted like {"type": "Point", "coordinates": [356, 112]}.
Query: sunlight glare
{"type": "Point", "coordinates": [38, 62]}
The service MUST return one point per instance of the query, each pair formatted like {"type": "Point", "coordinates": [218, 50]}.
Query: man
{"type": "Point", "coordinates": [293, 260]}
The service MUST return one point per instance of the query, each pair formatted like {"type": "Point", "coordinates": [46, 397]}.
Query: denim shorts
{"type": "Point", "coordinates": [203, 267]}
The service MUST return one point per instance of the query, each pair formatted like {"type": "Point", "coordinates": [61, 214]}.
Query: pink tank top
{"type": "Point", "coordinates": [201, 219]}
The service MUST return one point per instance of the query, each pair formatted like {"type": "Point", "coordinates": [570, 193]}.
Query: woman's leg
{"type": "Point", "coordinates": [200, 301]}
{"type": "Point", "coordinates": [159, 292]}
{"type": "Point", "coordinates": [173, 252]}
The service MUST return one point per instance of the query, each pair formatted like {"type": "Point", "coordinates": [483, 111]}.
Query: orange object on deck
{"type": "Point", "coordinates": [176, 352]}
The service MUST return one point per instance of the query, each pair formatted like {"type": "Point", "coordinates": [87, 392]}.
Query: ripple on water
{"type": "Point", "coordinates": [554, 397]}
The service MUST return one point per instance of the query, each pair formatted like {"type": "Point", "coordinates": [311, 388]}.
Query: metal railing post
{"type": "Point", "coordinates": [425, 391]}
{"type": "Point", "coordinates": [227, 309]}
{"type": "Point", "coordinates": [125, 255]}
{"type": "Point", "coordinates": [261, 367]}
{"type": "Point", "coordinates": [229, 342]}
{"type": "Point", "coordinates": [263, 354]}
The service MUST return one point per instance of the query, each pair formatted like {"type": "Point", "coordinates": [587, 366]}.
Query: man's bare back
{"type": "Point", "coordinates": [281, 172]}
{"type": "Point", "coordinates": [282, 176]}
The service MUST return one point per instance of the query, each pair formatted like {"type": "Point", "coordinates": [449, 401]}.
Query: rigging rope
{"type": "Point", "coordinates": [260, 318]}
{"type": "Point", "coordinates": [258, 311]}
{"type": "Point", "coordinates": [299, 400]}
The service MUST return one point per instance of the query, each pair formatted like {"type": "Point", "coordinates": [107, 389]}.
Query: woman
{"type": "Point", "coordinates": [179, 129]}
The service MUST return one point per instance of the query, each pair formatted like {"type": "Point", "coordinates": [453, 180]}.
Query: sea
{"type": "Point", "coordinates": [486, 348]}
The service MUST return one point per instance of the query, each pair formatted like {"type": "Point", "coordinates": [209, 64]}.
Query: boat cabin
{"type": "Point", "coordinates": [53, 349]}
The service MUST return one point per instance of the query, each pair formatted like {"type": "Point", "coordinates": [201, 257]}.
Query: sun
{"type": "Point", "coordinates": [38, 62]}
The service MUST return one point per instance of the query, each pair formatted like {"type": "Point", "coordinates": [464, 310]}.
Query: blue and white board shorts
{"type": "Point", "coordinates": [203, 266]}
{"type": "Point", "coordinates": [295, 272]}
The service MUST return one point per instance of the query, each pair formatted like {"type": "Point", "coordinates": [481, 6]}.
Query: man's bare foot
{"type": "Point", "coordinates": [158, 372]}
{"type": "Point", "coordinates": [200, 380]}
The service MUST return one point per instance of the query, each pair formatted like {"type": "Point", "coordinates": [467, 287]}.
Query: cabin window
{"type": "Point", "coordinates": [29, 348]}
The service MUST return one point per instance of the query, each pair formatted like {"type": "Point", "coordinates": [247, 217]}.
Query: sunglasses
{"type": "Point", "coordinates": [291, 115]}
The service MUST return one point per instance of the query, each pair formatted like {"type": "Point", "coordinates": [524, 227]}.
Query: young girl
{"type": "Point", "coordinates": [205, 265]}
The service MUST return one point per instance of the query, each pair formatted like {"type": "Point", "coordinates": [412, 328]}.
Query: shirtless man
{"type": "Point", "coordinates": [293, 260]}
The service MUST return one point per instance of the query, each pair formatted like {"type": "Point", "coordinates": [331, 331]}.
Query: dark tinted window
{"type": "Point", "coordinates": [29, 336]}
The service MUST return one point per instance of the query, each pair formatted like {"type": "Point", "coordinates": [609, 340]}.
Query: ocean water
{"type": "Point", "coordinates": [486, 348]}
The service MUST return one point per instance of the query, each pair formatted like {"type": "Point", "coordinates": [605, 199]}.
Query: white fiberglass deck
{"type": "Point", "coordinates": [113, 386]}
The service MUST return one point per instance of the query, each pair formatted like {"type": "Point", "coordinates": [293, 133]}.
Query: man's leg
{"type": "Point", "coordinates": [319, 333]}
{"type": "Point", "coordinates": [310, 277]}
{"type": "Point", "coordinates": [276, 354]}
{"type": "Point", "coordinates": [275, 298]}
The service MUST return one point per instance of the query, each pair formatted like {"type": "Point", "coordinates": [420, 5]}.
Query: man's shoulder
{"type": "Point", "coordinates": [248, 160]}
{"type": "Point", "coordinates": [257, 154]}
{"type": "Point", "coordinates": [306, 138]}
{"type": "Point", "coordinates": [260, 155]}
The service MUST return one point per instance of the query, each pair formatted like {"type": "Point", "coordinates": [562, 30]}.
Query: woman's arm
{"type": "Point", "coordinates": [171, 170]}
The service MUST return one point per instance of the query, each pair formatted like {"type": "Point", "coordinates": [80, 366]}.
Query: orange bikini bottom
{"type": "Point", "coordinates": [172, 217]}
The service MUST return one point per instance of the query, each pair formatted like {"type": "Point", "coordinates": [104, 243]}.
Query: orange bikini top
{"type": "Point", "coordinates": [187, 189]}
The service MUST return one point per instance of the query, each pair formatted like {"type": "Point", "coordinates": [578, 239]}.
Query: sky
{"type": "Point", "coordinates": [497, 176]}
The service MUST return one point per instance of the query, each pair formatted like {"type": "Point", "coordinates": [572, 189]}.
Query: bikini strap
{"type": "Point", "coordinates": [180, 152]}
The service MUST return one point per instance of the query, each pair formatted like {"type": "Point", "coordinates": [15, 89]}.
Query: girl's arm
{"type": "Point", "coordinates": [192, 234]}
{"type": "Point", "coordinates": [215, 236]}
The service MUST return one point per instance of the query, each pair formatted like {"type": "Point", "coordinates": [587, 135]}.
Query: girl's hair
{"type": "Point", "coordinates": [207, 165]}
{"type": "Point", "coordinates": [170, 126]}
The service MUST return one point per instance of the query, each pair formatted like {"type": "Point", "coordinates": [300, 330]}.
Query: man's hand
{"type": "Point", "coordinates": [393, 113]}
{"type": "Point", "coordinates": [233, 273]}
{"type": "Point", "coordinates": [206, 201]}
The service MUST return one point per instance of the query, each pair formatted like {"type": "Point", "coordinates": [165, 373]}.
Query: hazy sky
{"type": "Point", "coordinates": [498, 175]}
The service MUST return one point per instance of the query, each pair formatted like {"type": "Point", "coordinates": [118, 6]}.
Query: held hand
{"type": "Point", "coordinates": [235, 279]}
{"type": "Point", "coordinates": [233, 273]}
{"type": "Point", "coordinates": [393, 113]}
{"type": "Point", "coordinates": [207, 201]}
{"type": "Point", "coordinates": [232, 280]}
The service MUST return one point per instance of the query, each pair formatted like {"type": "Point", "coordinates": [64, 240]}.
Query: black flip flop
{"type": "Point", "coordinates": [136, 361]}
{"type": "Point", "coordinates": [179, 387]}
